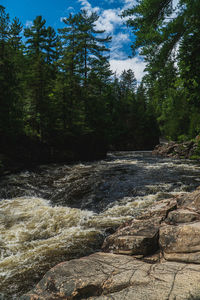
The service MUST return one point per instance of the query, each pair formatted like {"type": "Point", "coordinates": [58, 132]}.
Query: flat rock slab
{"type": "Point", "coordinates": [108, 276]}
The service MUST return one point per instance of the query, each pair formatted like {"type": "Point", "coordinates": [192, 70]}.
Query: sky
{"type": "Point", "coordinates": [109, 20]}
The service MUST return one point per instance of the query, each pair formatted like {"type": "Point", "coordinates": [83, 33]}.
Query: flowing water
{"type": "Point", "coordinates": [58, 212]}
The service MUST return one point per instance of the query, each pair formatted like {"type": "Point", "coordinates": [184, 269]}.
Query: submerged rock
{"type": "Point", "coordinates": [163, 261]}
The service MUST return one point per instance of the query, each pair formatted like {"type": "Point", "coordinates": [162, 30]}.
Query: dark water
{"type": "Point", "coordinates": [59, 212]}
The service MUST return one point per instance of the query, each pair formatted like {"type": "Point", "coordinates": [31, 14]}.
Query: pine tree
{"type": "Point", "coordinates": [10, 60]}
{"type": "Point", "coordinates": [166, 36]}
{"type": "Point", "coordinates": [128, 82]}
{"type": "Point", "coordinates": [90, 44]}
{"type": "Point", "coordinates": [82, 58]}
{"type": "Point", "coordinates": [4, 75]}
{"type": "Point", "coordinates": [15, 38]}
{"type": "Point", "coordinates": [41, 54]}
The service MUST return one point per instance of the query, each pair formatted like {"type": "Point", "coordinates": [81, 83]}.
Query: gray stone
{"type": "Point", "coordinates": [104, 276]}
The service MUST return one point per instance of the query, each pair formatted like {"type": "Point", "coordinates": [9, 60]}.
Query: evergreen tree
{"type": "Point", "coordinates": [166, 34]}
{"type": "Point", "coordinates": [15, 38]}
{"type": "Point", "coordinates": [10, 76]}
{"type": "Point", "coordinates": [82, 58]}
{"type": "Point", "coordinates": [41, 54]}
{"type": "Point", "coordinates": [5, 68]}
{"type": "Point", "coordinates": [90, 45]}
{"type": "Point", "coordinates": [68, 81]}
{"type": "Point", "coordinates": [128, 82]}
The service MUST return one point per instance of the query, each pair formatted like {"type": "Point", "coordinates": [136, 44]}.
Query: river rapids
{"type": "Point", "coordinates": [59, 212]}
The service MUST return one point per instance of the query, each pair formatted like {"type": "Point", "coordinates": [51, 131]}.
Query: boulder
{"type": "Point", "coordinates": [181, 239]}
{"type": "Point", "coordinates": [140, 236]}
{"type": "Point", "coordinates": [160, 209]}
{"type": "Point", "coordinates": [190, 201]}
{"type": "Point", "coordinates": [182, 216]}
{"type": "Point", "coordinates": [176, 150]}
{"type": "Point", "coordinates": [164, 149]}
{"type": "Point", "coordinates": [108, 276]}
{"type": "Point", "coordinates": [163, 261]}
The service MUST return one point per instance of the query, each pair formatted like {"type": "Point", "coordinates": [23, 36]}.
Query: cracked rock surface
{"type": "Point", "coordinates": [111, 276]}
{"type": "Point", "coordinates": [162, 260]}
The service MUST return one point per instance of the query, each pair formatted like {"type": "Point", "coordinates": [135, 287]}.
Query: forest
{"type": "Point", "coordinates": [60, 101]}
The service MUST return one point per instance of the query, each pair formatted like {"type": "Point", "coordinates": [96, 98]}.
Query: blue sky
{"type": "Point", "coordinates": [109, 19]}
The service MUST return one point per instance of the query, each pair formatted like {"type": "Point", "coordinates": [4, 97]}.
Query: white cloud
{"type": "Point", "coordinates": [108, 20]}
{"type": "Point", "coordinates": [87, 6]}
{"type": "Point", "coordinates": [70, 8]}
{"type": "Point", "coordinates": [117, 44]}
{"type": "Point", "coordinates": [135, 64]}
{"type": "Point", "coordinates": [120, 38]}
{"type": "Point", "coordinates": [175, 3]}
{"type": "Point", "coordinates": [62, 19]}
{"type": "Point", "coordinates": [129, 4]}
{"type": "Point", "coordinates": [29, 23]}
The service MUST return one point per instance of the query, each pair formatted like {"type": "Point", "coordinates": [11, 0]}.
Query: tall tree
{"type": "Point", "coordinates": [41, 54]}
{"type": "Point", "coordinates": [82, 57]}
{"type": "Point", "coordinates": [90, 44]}
{"type": "Point", "coordinates": [10, 60]}
{"type": "Point", "coordinates": [159, 27]}
{"type": "Point", "coordinates": [5, 74]}
{"type": "Point", "coordinates": [166, 34]}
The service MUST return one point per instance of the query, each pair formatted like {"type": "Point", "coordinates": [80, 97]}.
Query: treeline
{"type": "Point", "coordinates": [168, 36]}
{"type": "Point", "coordinates": [59, 99]}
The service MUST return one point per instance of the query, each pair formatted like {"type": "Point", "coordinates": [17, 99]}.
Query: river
{"type": "Point", "coordinates": [58, 212]}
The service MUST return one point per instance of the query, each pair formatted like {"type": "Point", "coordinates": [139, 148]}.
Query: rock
{"type": "Point", "coordinates": [182, 216]}
{"type": "Point", "coordinates": [183, 238]}
{"type": "Point", "coordinates": [163, 261]}
{"type": "Point", "coordinates": [176, 150]}
{"type": "Point", "coordinates": [140, 236]}
{"type": "Point", "coordinates": [164, 149]}
{"type": "Point", "coordinates": [183, 257]}
{"type": "Point", "coordinates": [160, 209]}
{"type": "Point", "coordinates": [190, 201]}
{"type": "Point", "coordinates": [104, 276]}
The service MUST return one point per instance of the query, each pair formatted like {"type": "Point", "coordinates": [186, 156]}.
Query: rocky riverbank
{"type": "Point", "coordinates": [155, 256]}
{"type": "Point", "coordinates": [190, 149]}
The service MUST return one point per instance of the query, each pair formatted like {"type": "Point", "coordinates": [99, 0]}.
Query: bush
{"type": "Point", "coordinates": [182, 138]}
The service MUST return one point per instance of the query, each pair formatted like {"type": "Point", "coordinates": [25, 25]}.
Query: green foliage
{"type": "Point", "coordinates": [169, 39]}
{"type": "Point", "coordinates": [10, 75]}
{"type": "Point", "coordinates": [58, 94]}
{"type": "Point", "coordinates": [182, 138]}
{"type": "Point", "coordinates": [196, 153]}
